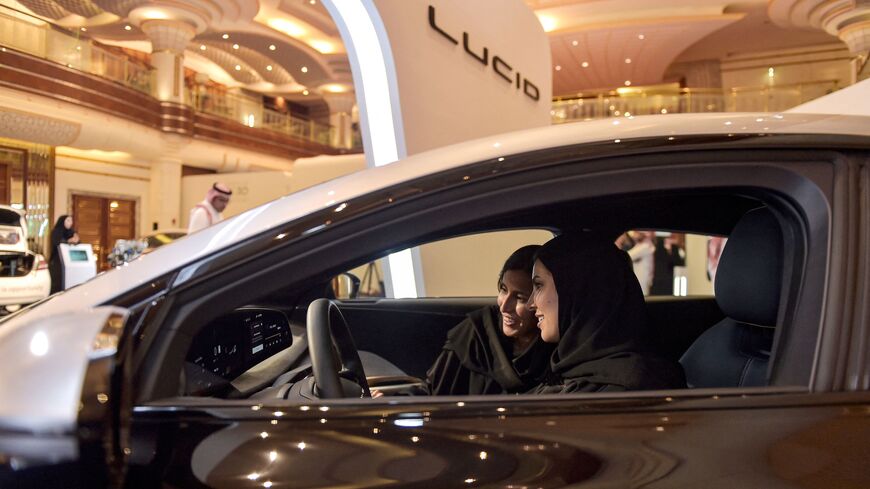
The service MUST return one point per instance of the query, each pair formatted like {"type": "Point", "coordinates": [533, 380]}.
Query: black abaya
{"type": "Point", "coordinates": [603, 343]}
{"type": "Point", "coordinates": [475, 359]}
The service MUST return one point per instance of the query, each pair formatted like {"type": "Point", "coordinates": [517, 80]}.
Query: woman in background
{"type": "Point", "coordinates": [62, 232]}
{"type": "Point", "coordinates": [497, 349]}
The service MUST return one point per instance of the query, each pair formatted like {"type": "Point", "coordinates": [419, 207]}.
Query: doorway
{"type": "Point", "coordinates": [101, 221]}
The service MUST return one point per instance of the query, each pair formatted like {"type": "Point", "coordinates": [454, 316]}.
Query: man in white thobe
{"type": "Point", "coordinates": [208, 212]}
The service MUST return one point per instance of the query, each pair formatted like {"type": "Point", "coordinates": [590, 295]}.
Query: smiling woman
{"type": "Point", "coordinates": [495, 350]}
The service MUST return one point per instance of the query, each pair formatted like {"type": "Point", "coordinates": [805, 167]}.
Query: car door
{"type": "Point", "coordinates": [802, 429]}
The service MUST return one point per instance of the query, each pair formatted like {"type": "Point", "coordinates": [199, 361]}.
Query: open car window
{"type": "Point", "coordinates": [409, 333]}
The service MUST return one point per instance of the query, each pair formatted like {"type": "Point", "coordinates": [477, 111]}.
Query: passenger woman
{"type": "Point", "coordinates": [497, 349]}
{"type": "Point", "coordinates": [588, 303]}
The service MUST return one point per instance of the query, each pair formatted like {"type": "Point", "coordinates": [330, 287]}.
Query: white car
{"type": "Point", "coordinates": [225, 360]}
{"type": "Point", "coordinates": [24, 276]}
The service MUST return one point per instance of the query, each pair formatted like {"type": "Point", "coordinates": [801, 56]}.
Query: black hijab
{"type": "Point", "coordinates": [476, 359]}
{"type": "Point", "coordinates": [603, 341]}
{"type": "Point", "coordinates": [60, 234]}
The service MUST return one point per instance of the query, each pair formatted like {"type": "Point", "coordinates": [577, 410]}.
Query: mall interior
{"type": "Point", "coordinates": [124, 113]}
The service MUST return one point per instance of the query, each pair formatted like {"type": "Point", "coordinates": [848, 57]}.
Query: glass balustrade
{"type": "Point", "coordinates": [31, 35]}
{"type": "Point", "coordinates": [671, 99]}
{"type": "Point", "coordinates": [249, 110]}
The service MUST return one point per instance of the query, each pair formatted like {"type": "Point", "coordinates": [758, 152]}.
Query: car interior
{"type": "Point", "coordinates": [302, 343]}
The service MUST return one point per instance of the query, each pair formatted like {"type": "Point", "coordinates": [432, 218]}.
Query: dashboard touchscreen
{"type": "Point", "coordinates": [234, 343]}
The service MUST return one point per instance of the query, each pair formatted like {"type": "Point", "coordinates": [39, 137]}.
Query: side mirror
{"type": "Point", "coordinates": [345, 286]}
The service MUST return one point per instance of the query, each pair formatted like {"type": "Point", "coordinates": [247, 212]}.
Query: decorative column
{"type": "Point", "coordinates": [170, 27]}
{"type": "Point", "coordinates": [340, 118]}
{"type": "Point", "coordinates": [849, 20]}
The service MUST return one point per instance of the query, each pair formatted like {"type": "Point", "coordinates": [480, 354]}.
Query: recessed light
{"type": "Point", "coordinates": [641, 37]}
{"type": "Point", "coordinates": [269, 68]}
{"type": "Point", "coordinates": [226, 36]}
{"type": "Point", "coordinates": [235, 46]}
{"type": "Point", "coordinates": [304, 92]}
{"type": "Point", "coordinates": [627, 83]}
{"type": "Point", "coordinates": [585, 64]}
{"type": "Point", "coordinates": [84, 29]}
{"type": "Point", "coordinates": [304, 69]}
{"type": "Point", "coordinates": [574, 43]}
{"type": "Point", "coordinates": [628, 61]}
{"type": "Point", "coordinates": [202, 47]}
{"type": "Point", "coordinates": [128, 28]}
{"type": "Point", "coordinates": [558, 68]}
{"type": "Point", "coordinates": [312, 2]}
{"type": "Point", "coordinates": [272, 47]}
{"type": "Point", "coordinates": [238, 67]}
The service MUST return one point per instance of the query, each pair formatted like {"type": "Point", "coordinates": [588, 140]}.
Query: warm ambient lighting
{"type": "Point", "coordinates": [272, 47]}
{"type": "Point", "coordinates": [627, 83]}
{"type": "Point", "coordinates": [547, 22]}
{"type": "Point", "coordinates": [128, 28]}
{"type": "Point", "coordinates": [238, 67]}
{"type": "Point", "coordinates": [113, 204]}
{"type": "Point", "coordinates": [268, 67]}
{"type": "Point", "coordinates": [305, 92]}
{"type": "Point", "coordinates": [628, 61]}
{"type": "Point", "coordinates": [226, 36]}
{"type": "Point", "coordinates": [202, 47]}
{"type": "Point", "coordinates": [235, 46]}
{"type": "Point", "coordinates": [641, 37]}
{"type": "Point", "coordinates": [558, 68]}
{"type": "Point", "coordinates": [574, 43]}
{"type": "Point", "coordinates": [286, 26]}
{"type": "Point", "coordinates": [334, 88]}
{"type": "Point", "coordinates": [323, 47]}
{"type": "Point", "coordinates": [585, 64]}
{"type": "Point", "coordinates": [304, 69]}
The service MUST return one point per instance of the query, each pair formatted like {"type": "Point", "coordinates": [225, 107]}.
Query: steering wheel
{"type": "Point", "coordinates": [333, 352]}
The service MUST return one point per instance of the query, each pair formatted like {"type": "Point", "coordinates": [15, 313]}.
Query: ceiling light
{"type": "Point", "coordinates": [235, 46]}
{"type": "Point", "coordinates": [323, 47]}
{"type": "Point", "coordinates": [312, 2]}
{"type": "Point", "coordinates": [628, 61]}
{"type": "Point", "coordinates": [304, 92]}
{"type": "Point", "coordinates": [84, 29]}
{"type": "Point", "coordinates": [558, 68]}
{"type": "Point", "coordinates": [238, 68]}
{"type": "Point", "coordinates": [641, 37]}
{"type": "Point", "coordinates": [547, 22]}
{"type": "Point", "coordinates": [226, 36]}
{"type": "Point", "coordinates": [574, 43]}
{"type": "Point", "coordinates": [272, 47]}
{"type": "Point", "coordinates": [269, 68]}
{"type": "Point", "coordinates": [202, 47]}
{"type": "Point", "coordinates": [128, 28]}
{"type": "Point", "coordinates": [286, 26]}
{"type": "Point", "coordinates": [585, 64]}
{"type": "Point", "coordinates": [627, 83]}
{"type": "Point", "coordinates": [304, 69]}
{"type": "Point", "coordinates": [334, 88]}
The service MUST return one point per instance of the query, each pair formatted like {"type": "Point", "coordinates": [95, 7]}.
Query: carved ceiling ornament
{"type": "Point", "coordinates": [34, 128]}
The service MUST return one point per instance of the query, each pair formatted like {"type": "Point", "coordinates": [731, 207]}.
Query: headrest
{"type": "Point", "coordinates": [749, 276]}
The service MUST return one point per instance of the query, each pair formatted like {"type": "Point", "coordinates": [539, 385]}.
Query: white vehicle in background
{"type": "Point", "coordinates": [24, 276]}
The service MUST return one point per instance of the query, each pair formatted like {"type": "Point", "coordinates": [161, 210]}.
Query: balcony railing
{"type": "Point", "coordinates": [31, 35]}
{"type": "Point", "coordinates": [669, 99]}
{"type": "Point", "coordinates": [249, 110]}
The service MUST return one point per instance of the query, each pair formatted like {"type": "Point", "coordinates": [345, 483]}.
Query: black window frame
{"type": "Point", "coordinates": [772, 178]}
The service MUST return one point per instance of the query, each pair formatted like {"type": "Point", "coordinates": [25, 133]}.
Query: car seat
{"type": "Point", "coordinates": [735, 352]}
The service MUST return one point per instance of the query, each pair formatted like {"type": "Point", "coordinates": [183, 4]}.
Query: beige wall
{"type": "Point", "coordinates": [91, 176]}
{"type": "Point", "coordinates": [696, 266]}
{"type": "Point", "coordinates": [468, 266]}
{"type": "Point", "coordinates": [828, 62]}
{"type": "Point", "coordinates": [249, 190]}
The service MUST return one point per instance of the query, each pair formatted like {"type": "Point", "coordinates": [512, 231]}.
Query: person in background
{"type": "Point", "coordinates": [208, 212]}
{"type": "Point", "coordinates": [669, 253]}
{"type": "Point", "coordinates": [62, 233]}
{"type": "Point", "coordinates": [497, 349]}
{"type": "Point", "coordinates": [641, 249]}
{"type": "Point", "coordinates": [589, 304]}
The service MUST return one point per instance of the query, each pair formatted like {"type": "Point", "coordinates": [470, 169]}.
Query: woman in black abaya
{"type": "Point", "coordinates": [62, 232]}
{"type": "Point", "coordinates": [587, 300]}
{"type": "Point", "coordinates": [497, 349]}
